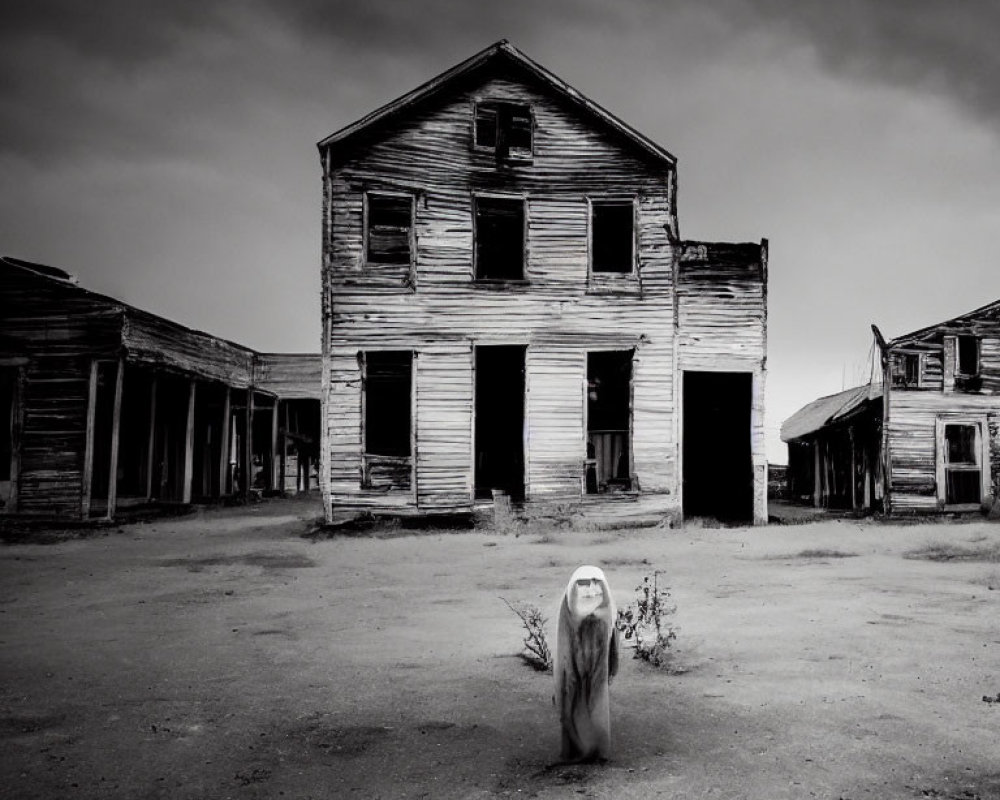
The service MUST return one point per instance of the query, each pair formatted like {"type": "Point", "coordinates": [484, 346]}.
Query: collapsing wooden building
{"type": "Point", "coordinates": [111, 406]}
{"type": "Point", "coordinates": [925, 439]}
{"type": "Point", "coordinates": [509, 310]}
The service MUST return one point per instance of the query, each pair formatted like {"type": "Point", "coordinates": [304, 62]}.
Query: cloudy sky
{"type": "Point", "coordinates": [165, 152]}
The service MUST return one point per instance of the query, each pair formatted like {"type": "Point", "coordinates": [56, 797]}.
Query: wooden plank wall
{"type": "Point", "coordinates": [289, 375]}
{"type": "Point", "coordinates": [560, 312]}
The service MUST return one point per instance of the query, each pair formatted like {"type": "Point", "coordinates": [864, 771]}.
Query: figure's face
{"type": "Point", "coordinates": [589, 594]}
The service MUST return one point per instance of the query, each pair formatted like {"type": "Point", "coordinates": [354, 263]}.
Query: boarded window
{"type": "Point", "coordinates": [387, 403]}
{"type": "Point", "coordinates": [504, 128]}
{"type": "Point", "coordinates": [499, 239]}
{"type": "Point", "coordinates": [968, 355]}
{"type": "Point", "coordinates": [906, 370]}
{"type": "Point", "coordinates": [613, 239]}
{"type": "Point", "coordinates": [963, 473]}
{"type": "Point", "coordinates": [390, 220]}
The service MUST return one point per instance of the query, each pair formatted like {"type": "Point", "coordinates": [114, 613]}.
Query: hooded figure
{"type": "Point", "coordinates": [585, 662]}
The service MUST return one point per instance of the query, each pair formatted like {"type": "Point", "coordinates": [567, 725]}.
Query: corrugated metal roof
{"type": "Point", "coordinates": [825, 410]}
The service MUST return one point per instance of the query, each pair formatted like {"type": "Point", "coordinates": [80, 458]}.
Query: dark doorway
{"type": "Point", "coordinates": [500, 421]}
{"type": "Point", "coordinates": [609, 421]}
{"type": "Point", "coordinates": [718, 469]}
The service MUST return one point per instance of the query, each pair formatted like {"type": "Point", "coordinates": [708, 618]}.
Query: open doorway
{"type": "Point", "coordinates": [499, 422]}
{"type": "Point", "coordinates": [718, 468]}
{"type": "Point", "coordinates": [609, 421]}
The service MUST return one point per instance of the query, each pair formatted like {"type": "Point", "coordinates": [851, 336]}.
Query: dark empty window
{"type": "Point", "coordinates": [390, 219]}
{"type": "Point", "coordinates": [611, 223]}
{"type": "Point", "coordinates": [963, 474]}
{"type": "Point", "coordinates": [504, 128]}
{"type": "Point", "coordinates": [499, 239]}
{"type": "Point", "coordinates": [387, 403]}
{"type": "Point", "coordinates": [968, 355]}
{"type": "Point", "coordinates": [906, 369]}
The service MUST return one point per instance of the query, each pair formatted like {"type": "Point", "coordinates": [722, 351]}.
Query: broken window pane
{"type": "Point", "coordinates": [906, 370]}
{"type": "Point", "coordinates": [505, 128]}
{"type": "Point", "coordinates": [499, 238]}
{"type": "Point", "coordinates": [390, 219]}
{"type": "Point", "coordinates": [961, 444]}
{"type": "Point", "coordinates": [968, 355]}
{"type": "Point", "coordinates": [387, 403]}
{"type": "Point", "coordinates": [962, 486]}
{"type": "Point", "coordinates": [612, 224]}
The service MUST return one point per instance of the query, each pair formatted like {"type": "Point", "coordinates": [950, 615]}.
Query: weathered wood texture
{"type": "Point", "coordinates": [290, 376]}
{"type": "Point", "coordinates": [559, 312]}
{"type": "Point", "coordinates": [913, 411]}
{"type": "Point", "coordinates": [57, 330]}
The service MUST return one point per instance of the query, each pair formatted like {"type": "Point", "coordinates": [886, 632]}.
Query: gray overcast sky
{"type": "Point", "coordinates": [165, 152]}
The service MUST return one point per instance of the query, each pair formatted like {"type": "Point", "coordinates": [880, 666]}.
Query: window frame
{"type": "Point", "coordinates": [493, 106]}
{"type": "Point", "coordinates": [612, 200]}
{"type": "Point", "coordinates": [375, 265]}
{"type": "Point", "coordinates": [477, 197]}
{"type": "Point", "coordinates": [905, 354]}
{"type": "Point", "coordinates": [368, 458]}
{"type": "Point", "coordinates": [981, 453]}
{"type": "Point", "coordinates": [977, 342]}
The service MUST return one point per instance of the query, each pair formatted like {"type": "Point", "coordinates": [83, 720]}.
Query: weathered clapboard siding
{"type": "Point", "coordinates": [289, 375]}
{"type": "Point", "coordinates": [54, 425]}
{"type": "Point", "coordinates": [556, 380]}
{"type": "Point", "coordinates": [721, 302]}
{"type": "Point", "coordinates": [559, 312]}
{"type": "Point", "coordinates": [444, 397]}
{"type": "Point", "coordinates": [154, 340]}
{"type": "Point", "coordinates": [913, 445]}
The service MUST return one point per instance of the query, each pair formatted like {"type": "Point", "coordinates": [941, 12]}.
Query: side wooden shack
{"type": "Point", "coordinates": [110, 406]}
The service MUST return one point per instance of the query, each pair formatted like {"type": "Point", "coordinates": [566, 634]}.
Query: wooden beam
{"type": "Point", "coordinates": [284, 451]}
{"type": "Point", "coordinates": [88, 450]}
{"type": "Point", "coordinates": [16, 426]}
{"type": "Point", "coordinates": [188, 477]}
{"type": "Point", "coordinates": [224, 447]}
{"type": "Point", "coordinates": [275, 469]}
{"type": "Point", "coordinates": [151, 443]}
{"type": "Point", "coordinates": [115, 430]}
{"type": "Point", "coordinates": [248, 445]}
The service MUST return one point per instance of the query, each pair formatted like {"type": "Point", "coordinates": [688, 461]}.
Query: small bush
{"type": "Point", "coordinates": [648, 622]}
{"type": "Point", "coordinates": [536, 653]}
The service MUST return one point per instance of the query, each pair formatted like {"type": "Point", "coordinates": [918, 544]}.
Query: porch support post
{"type": "Point", "coordinates": [275, 466]}
{"type": "Point", "coordinates": [248, 445]}
{"type": "Point", "coordinates": [188, 478]}
{"type": "Point", "coordinates": [115, 432]}
{"type": "Point", "coordinates": [151, 443]}
{"type": "Point", "coordinates": [88, 450]}
{"type": "Point", "coordinates": [224, 447]}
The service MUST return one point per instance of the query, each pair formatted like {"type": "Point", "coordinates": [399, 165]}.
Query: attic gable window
{"type": "Point", "coordinates": [612, 236]}
{"type": "Point", "coordinates": [504, 129]}
{"type": "Point", "coordinates": [906, 370]}
{"type": "Point", "coordinates": [388, 227]}
{"type": "Point", "coordinates": [968, 356]}
{"type": "Point", "coordinates": [499, 234]}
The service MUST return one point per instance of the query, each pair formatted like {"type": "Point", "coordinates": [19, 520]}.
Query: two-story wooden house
{"type": "Point", "coordinates": [509, 310]}
{"type": "Point", "coordinates": [927, 439]}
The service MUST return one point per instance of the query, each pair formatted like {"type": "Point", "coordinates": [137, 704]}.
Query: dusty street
{"type": "Point", "coordinates": [225, 654]}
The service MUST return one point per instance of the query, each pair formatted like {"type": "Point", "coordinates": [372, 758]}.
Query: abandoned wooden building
{"type": "Point", "coordinates": [924, 439]}
{"type": "Point", "coordinates": [509, 311]}
{"type": "Point", "coordinates": [110, 406]}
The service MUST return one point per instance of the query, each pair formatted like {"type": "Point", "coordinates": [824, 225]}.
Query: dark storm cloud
{"type": "Point", "coordinates": [949, 48]}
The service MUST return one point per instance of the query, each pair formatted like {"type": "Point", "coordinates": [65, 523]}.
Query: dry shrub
{"type": "Point", "coordinates": [536, 652]}
{"type": "Point", "coordinates": [648, 622]}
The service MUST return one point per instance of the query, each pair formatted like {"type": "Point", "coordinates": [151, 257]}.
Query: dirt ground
{"type": "Point", "coordinates": [225, 654]}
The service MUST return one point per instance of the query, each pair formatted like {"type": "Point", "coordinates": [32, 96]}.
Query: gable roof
{"type": "Point", "coordinates": [819, 413]}
{"type": "Point", "coordinates": [990, 310]}
{"type": "Point", "coordinates": [500, 51]}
